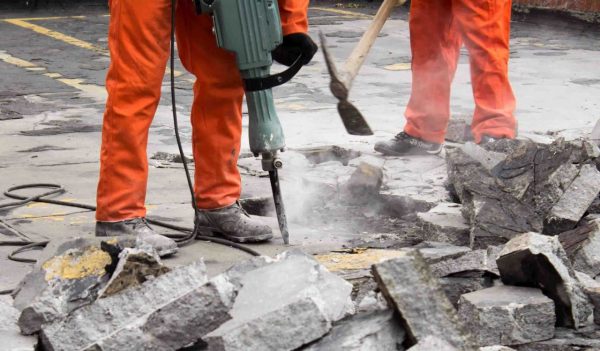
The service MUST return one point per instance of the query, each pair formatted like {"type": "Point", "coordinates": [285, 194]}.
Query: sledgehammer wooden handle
{"type": "Point", "coordinates": [360, 52]}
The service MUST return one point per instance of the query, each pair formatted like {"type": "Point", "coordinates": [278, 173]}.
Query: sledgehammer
{"type": "Point", "coordinates": [341, 82]}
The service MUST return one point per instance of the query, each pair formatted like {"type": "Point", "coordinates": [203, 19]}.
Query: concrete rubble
{"type": "Point", "coordinates": [468, 280]}
{"type": "Point", "coordinates": [408, 285]}
{"type": "Point", "coordinates": [583, 247]}
{"type": "Point", "coordinates": [67, 276]}
{"type": "Point", "coordinates": [516, 186]}
{"type": "Point", "coordinates": [365, 182]}
{"type": "Point", "coordinates": [413, 184]}
{"type": "Point", "coordinates": [508, 315]}
{"type": "Point", "coordinates": [445, 223]}
{"type": "Point", "coordinates": [98, 323]}
{"type": "Point", "coordinates": [9, 330]}
{"type": "Point", "coordinates": [585, 339]}
{"type": "Point", "coordinates": [289, 302]}
{"type": "Point", "coordinates": [434, 343]}
{"type": "Point", "coordinates": [135, 266]}
{"type": "Point", "coordinates": [370, 331]}
{"type": "Point", "coordinates": [540, 261]}
{"type": "Point", "coordinates": [592, 290]}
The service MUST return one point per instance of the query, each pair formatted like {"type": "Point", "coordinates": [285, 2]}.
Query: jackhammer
{"type": "Point", "coordinates": [252, 30]}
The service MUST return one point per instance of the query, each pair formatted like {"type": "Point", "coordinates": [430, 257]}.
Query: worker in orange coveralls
{"type": "Point", "coordinates": [139, 41]}
{"type": "Point", "coordinates": [438, 28]}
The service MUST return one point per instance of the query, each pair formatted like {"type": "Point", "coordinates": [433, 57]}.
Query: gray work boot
{"type": "Point", "coordinates": [233, 223]}
{"type": "Point", "coordinates": [404, 145]}
{"type": "Point", "coordinates": [139, 228]}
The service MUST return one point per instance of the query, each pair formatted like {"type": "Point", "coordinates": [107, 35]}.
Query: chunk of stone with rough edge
{"type": "Point", "coordinates": [291, 276]}
{"type": "Point", "coordinates": [586, 256]}
{"type": "Point", "coordinates": [135, 266]}
{"type": "Point", "coordinates": [434, 252]}
{"type": "Point", "coordinates": [540, 261]}
{"type": "Point", "coordinates": [409, 286]}
{"type": "Point", "coordinates": [592, 289]}
{"type": "Point", "coordinates": [67, 276]}
{"type": "Point", "coordinates": [105, 316]}
{"type": "Point", "coordinates": [567, 340]}
{"type": "Point", "coordinates": [179, 323]}
{"type": "Point", "coordinates": [286, 328]}
{"type": "Point", "coordinates": [495, 221]}
{"type": "Point", "coordinates": [455, 287]}
{"type": "Point", "coordinates": [477, 260]}
{"type": "Point", "coordinates": [496, 348]}
{"type": "Point", "coordinates": [445, 223]}
{"type": "Point", "coordinates": [364, 183]}
{"type": "Point", "coordinates": [508, 315]}
{"type": "Point", "coordinates": [413, 184]}
{"type": "Point", "coordinates": [372, 331]}
{"type": "Point", "coordinates": [9, 330]}
{"type": "Point", "coordinates": [494, 216]}
{"type": "Point", "coordinates": [431, 342]}
{"type": "Point", "coordinates": [573, 204]}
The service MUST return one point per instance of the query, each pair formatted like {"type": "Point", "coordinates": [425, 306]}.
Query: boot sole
{"type": "Point", "coordinates": [389, 152]}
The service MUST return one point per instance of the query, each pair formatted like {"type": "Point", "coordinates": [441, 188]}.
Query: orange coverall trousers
{"type": "Point", "coordinates": [437, 30]}
{"type": "Point", "coordinates": [139, 38]}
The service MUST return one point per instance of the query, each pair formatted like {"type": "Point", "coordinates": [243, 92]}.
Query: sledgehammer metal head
{"type": "Point", "coordinates": [353, 120]}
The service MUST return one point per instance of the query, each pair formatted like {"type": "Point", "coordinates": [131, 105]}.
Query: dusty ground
{"type": "Point", "coordinates": [52, 67]}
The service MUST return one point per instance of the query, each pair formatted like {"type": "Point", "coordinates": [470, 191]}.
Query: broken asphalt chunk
{"type": "Point", "coordinates": [445, 223]}
{"type": "Point", "coordinates": [91, 324]}
{"type": "Point", "coordinates": [285, 328]}
{"type": "Point", "coordinates": [592, 289]}
{"type": "Point", "coordinates": [575, 201]}
{"type": "Point", "coordinates": [272, 297]}
{"type": "Point", "coordinates": [582, 245]}
{"type": "Point", "coordinates": [431, 342]}
{"type": "Point", "coordinates": [135, 266]}
{"type": "Point", "coordinates": [9, 330]}
{"type": "Point", "coordinates": [425, 311]}
{"type": "Point", "coordinates": [373, 331]}
{"type": "Point", "coordinates": [540, 261]}
{"type": "Point", "coordinates": [508, 315]}
{"type": "Point", "coordinates": [67, 276]}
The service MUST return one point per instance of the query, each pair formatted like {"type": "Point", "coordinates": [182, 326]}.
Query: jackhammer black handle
{"type": "Point", "coordinates": [264, 83]}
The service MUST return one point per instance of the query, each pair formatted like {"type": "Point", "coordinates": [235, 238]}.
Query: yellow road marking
{"type": "Point", "coordinates": [45, 18]}
{"type": "Point", "coordinates": [58, 36]}
{"type": "Point", "coordinates": [402, 66]}
{"type": "Point", "coordinates": [67, 38]}
{"type": "Point", "coordinates": [91, 90]}
{"type": "Point", "coordinates": [342, 12]}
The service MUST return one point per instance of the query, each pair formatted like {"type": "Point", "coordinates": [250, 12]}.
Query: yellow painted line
{"type": "Point", "coordinates": [67, 38]}
{"type": "Point", "coordinates": [402, 66]}
{"type": "Point", "coordinates": [57, 35]}
{"type": "Point", "coordinates": [44, 18]}
{"type": "Point", "coordinates": [91, 90]}
{"type": "Point", "coordinates": [342, 12]}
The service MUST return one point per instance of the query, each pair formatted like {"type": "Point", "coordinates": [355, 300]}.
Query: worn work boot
{"type": "Point", "coordinates": [233, 223]}
{"type": "Point", "coordinates": [404, 144]}
{"type": "Point", "coordinates": [144, 233]}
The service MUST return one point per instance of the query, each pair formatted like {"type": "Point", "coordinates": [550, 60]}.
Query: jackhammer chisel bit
{"type": "Point", "coordinates": [252, 30]}
{"type": "Point", "coordinates": [279, 208]}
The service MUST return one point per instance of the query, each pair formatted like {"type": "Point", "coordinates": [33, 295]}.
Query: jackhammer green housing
{"type": "Point", "coordinates": [252, 30]}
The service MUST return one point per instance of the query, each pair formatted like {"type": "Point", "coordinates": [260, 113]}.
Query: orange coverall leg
{"type": "Point", "coordinates": [139, 37]}
{"type": "Point", "coordinates": [437, 30]}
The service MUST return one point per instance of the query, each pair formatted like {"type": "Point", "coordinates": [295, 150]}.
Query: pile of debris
{"type": "Point", "coordinates": [513, 261]}
{"type": "Point", "coordinates": [513, 187]}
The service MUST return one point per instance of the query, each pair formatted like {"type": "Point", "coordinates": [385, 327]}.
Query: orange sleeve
{"type": "Point", "coordinates": [294, 16]}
